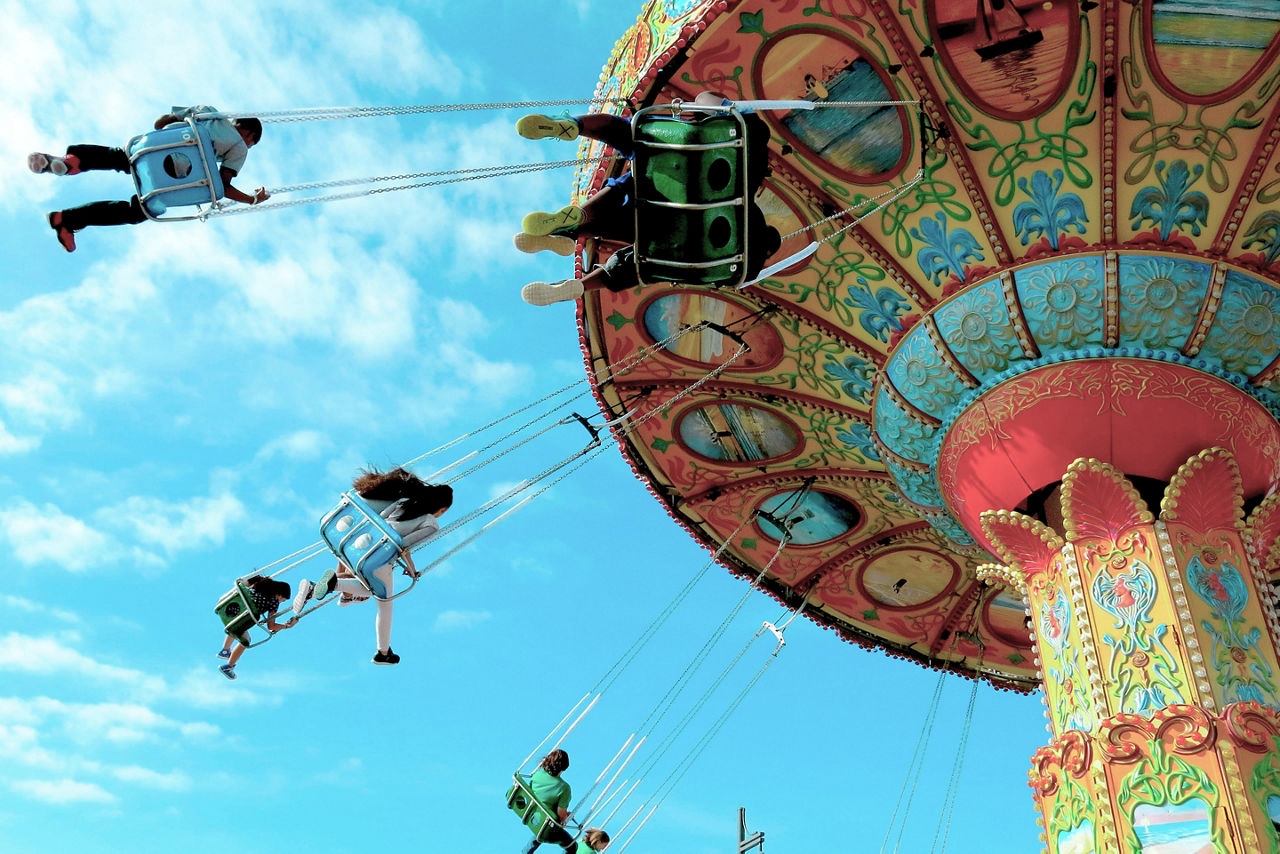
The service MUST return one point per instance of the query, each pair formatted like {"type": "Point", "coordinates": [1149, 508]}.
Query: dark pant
{"type": "Point", "coordinates": [557, 836]}
{"type": "Point", "coordinates": [612, 130]}
{"type": "Point", "coordinates": [100, 158]}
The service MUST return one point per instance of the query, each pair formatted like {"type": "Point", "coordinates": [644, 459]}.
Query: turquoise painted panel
{"type": "Point", "coordinates": [951, 529]}
{"type": "Point", "coordinates": [1160, 297]}
{"type": "Point", "coordinates": [902, 434]}
{"type": "Point", "coordinates": [1062, 302]}
{"type": "Point", "coordinates": [923, 378]}
{"type": "Point", "coordinates": [977, 330]}
{"type": "Point", "coordinates": [920, 487]}
{"type": "Point", "coordinates": [1245, 335]}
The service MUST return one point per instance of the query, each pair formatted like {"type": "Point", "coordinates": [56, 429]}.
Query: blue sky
{"type": "Point", "coordinates": [181, 402]}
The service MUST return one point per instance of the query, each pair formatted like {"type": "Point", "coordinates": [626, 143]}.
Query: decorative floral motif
{"type": "Point", "coordinates": [1242, 673]}
{"type": "Point", "coordinates": [951, 529]}
{"type": "Point", "coordinates": [1063, 301]}
{"type": "Point", "coordinates": [1264, 232]}
{"type": "Point", "coordinates": [1048, 214]}
{"type": "Point", "coordinates": [904, 435]}
{"type": "Point", "coordinates": [920, 374]}
{"type": "Point", "coordinates": [1173, 204]}
{"type": "Point", "coordinates": [1159, 298]}
{"type": "Point", "coordinates": [1141, 670]}
{"type": "Point", "coordinates": [945, 252]}
{"type": "Point", "coordinates": [920, 487]}
{"type": "Point", "coordinates": [853, 374]}
{"type": "Point", "coordinates": [858, 437]}
{"type": "Point", "coordinates": [976, 328]}
{"type": "Point", "coordinates": [1246, 332]}
{"type": "Point", "coordinates": [879, 310]}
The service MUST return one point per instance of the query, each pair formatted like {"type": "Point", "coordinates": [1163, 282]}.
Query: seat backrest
{"type": "Point", "coordinates": [691, 196]}
{"type": "Point", "coordinates": [175, 166]}
{"type": "Point", "coordinates": [533, 813]}
{"type": "Point", "coordinates": [361, 539]}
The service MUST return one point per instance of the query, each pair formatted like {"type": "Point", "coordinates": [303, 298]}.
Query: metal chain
{"type": "Point", "coordinates": [896, 194]}
{"type": "Point", "coordinates": [317, 114]}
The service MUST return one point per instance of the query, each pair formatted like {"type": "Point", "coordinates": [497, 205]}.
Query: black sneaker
{"type": "Point", "coordinates": [387, 657]}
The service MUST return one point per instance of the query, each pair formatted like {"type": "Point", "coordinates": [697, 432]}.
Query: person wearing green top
{"type": "Point", "coordinates": [553, 793]}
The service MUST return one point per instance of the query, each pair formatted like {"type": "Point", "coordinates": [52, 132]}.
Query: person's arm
{"type": "Point", "coordinates": [273, 626]}
{"type": "Point", "coordinates": [409, 568]}
{"type": "Point", "coordinates": [259, 195]}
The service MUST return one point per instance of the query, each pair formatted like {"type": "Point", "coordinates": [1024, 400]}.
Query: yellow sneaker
{"type": "Point", "coordinates": [544, 127]}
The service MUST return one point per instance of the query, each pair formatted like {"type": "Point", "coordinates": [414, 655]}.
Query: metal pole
{"type": "Point", "coordinates": [748, 842]}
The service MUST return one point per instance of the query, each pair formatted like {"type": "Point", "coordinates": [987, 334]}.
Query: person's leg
{"type": "Point", "coordinates": [382, 622]}
{"type": "Point", "coordinates": [102, 213]}
{"type": "Point", "coordinates": [226, 645]}
{"type": "Point", "coordinates": [613, 131]}
{"type": "Point", "coordinates": [236, 653]}
{"type": "Point", "coordinates": [90, 158]}
{"type": "Point", "coordinates": [532, 846]}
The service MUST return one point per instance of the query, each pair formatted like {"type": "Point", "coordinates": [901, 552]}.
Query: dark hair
{"type": "Point", "coordinates": [596, 838]}
{"type": "Point", "coordinates": [555, 763]}
{"type": "Point", "coordinates": [422, 498]}
{"type": "Point", "coordinates": [269, 586]}
{"type": "Point", "coordinates": [251, 126]}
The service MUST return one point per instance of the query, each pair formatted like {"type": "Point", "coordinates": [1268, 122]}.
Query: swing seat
{"type": "Point", "coordinates": [533, 814]}
{"type": "Point", "coordinates": [691, 195]}
{"type": "Point", "coordinates": [235, 609]}
{"type": "Point", "coordinates": [174, 167]}
{"type": "Point", "coordinates": [361, 539]}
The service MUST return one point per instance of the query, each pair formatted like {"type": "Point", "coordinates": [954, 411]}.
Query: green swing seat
{"type": "Point", "coordinates": [236, 611]}
{"type": "Point", "coordinates": [533, 814]}
{"type": "Point", "coordinates": [691, 195]}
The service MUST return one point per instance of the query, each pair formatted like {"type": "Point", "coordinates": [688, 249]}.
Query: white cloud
{"type": "Point", "coordinates": [175, 526]}
{"type": "Point", "coordinates": [11, 444]}
{"type": "Point", "coordinates": [18, 603]}
{"type": "Point", "coordinates": [47, 656]}
{"type": "Point", "coordinates": [300, 445]}
{"type": "Point", "coordinates": [46, 535]}
{"type": "Point", "coordinates": [63, 791]}
{"type": "Point", "coordinates": [39, 398]}
{"type": "Point", "coordinates": [447, 621]}
{"type": "Point", "coordinates": [173, 781]}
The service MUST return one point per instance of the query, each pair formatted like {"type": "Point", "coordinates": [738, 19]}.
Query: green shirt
{"type": "Point", "coordinates": [550, 791]}
{"type": "Point", "coordinates": [584, 848]}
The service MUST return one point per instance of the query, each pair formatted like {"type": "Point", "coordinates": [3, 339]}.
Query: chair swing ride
{"type": "Point", "coordinates": [693, 236]}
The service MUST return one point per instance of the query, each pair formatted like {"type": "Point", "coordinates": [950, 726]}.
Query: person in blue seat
{"type": "Point", "coordinates": [609, 214]}
{"type": "Point", "coordinates": [268, 595]}
{"type": "Point", "coordinates": [231, 138]}
{"type": "Point", "coordinates": [550, 790]}
{"type": "Point", "coordinates": [411, 507]}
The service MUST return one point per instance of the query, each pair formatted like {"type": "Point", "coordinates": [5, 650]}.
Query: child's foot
{"type": "Point", "coordinates": [51, 163]}
{"type": "Point", "coordinates": [387, 657]}
{"type": "Point", "coordinates": [228, 670]}
{"type": "Point", "coordinates": [545, 293]}
{"type": "Point", "coordinates": [325, 584]}
{"type": "Point", "coordinates": [557, 243]}
{"type": "Point", "coordinates": [563, 221]}
{"type": "Point", "coordinates": [304, 593]}
{"type": "Point", "coordinates": [542, 127]}
{"type": "Point", "coordinates": [347, 599]}
{"type": "Point", "coordinates": [224, 653]}
{"type": "Point", "coordinates": [66, 236]}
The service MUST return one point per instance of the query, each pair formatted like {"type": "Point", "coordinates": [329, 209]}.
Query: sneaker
{"type": "Point", "coordinates": [225, 652]}
{"type": "Point", "coordinates": [542, 127]}
{"type": "Point", "coordinates": [557, 243]}
{"type": "Point", "coordinates": [39, 163]}
{"type": "Point", "coordinates": [563, 221]}
{"type": "Point", "coordinates": [304, 593]}
{"type": "Point", "coordinates": [545, 293]}
{"type": "Point", "coordinates": [326, 583]}
{"type": "Point", "coordinates": [347, 599]}
{"type": "Point", "coordinates": [228, 670]}
{"type": "Point", "coordinates": [388, 657]}
{"type": "Point", "coordinates": [66, 236]}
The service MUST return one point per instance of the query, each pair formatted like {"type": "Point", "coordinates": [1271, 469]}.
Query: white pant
{"type": "Point", "coordinates": [382, 623]}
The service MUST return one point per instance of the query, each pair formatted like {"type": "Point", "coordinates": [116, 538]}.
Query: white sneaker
{"type": "Point", "coordinates": [40, 163]}
{"type": "Point", "coordinates": [544, 293]}
{"type": "Point", "coordinates": [557, 243]}
{"type": "Point", "coordinates": [304, 593]}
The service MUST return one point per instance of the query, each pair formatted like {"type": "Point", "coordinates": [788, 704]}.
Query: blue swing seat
{"type": "Point", "coordinates": [174, 167]}
{"type": "Point", "coordinates": [361, 539]}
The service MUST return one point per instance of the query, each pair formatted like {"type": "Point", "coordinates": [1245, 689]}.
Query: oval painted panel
{"type": "Point", "coordinates": [1006, 618]}
{"type": "Point", "coordinates": [1012, 58]}
{"type": "Point", "coordinates": [814, 517]}
{"type": "Point", "coordinates": [736, 432]}
{"type": "Point", "coordinates": [1206, 51]}
{"type": "Point", "coordinates": [908, 578]}
{"type": "Point", "coordinates": [667, 314]}
{"type": "Point", "coordinates": [865, 145]}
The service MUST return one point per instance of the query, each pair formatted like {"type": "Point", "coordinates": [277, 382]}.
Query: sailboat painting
{"type": "Point", "coordinates": [1012, 58]}
{"type": "Point", "coordinates": [1002, 29]}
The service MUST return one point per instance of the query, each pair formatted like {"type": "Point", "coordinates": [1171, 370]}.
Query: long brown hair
{"type": "Point", "coordinates": [421, 498]}
{"type": "Point", "coordinates": [555, 763]}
